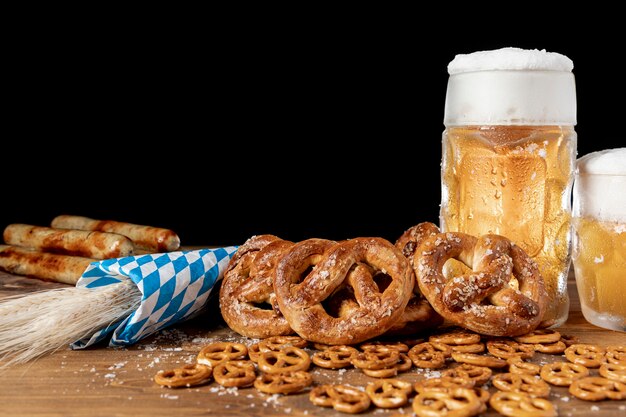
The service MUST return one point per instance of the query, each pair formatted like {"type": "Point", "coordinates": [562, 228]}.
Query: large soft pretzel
{"type": "Point", "coordinates": [483, 299]}
{"type": "Point", "coordinates": [312, 270]}
{"type": "Point", "coordinates": [418, 314]}
{"type": "Point", "coordinates": [247, 291]}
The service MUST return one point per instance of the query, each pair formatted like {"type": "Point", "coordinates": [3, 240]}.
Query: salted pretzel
{"type": "Point", "coordinates": [235, 373]}
{"type": "Point", "coordinates": [562, 374]}
{"type": "Point", "coordinates": [343, 398]}
{"type": "Point", "coordinates": [483, 299]}
{"type": "Point", "coordinates": [443, 383]}
{"type": "Point", "coordinates": [418, 315]}
{"type": "Point", "coordinates": [376, 358]}
{"type": "Point", "coordinates": [591, 356]}
{"type": "Point", "coordinates": [550, 348]}
{"type": "Point", "coordinates": [425, 355]}
{"type": "Point", "coordinates": [479, 374]}
{"type": "Point", "coordinates": [404, 364]}
{"type": "Point", "coordinates": [505, 349]}
{"type": "Point", "coordinates": [459, 402]}
{"type": "Point", "coordinates": [529, 384]}
{"type": "Point", "coordinates": [519, 404]}
{"type": "Point", "coordinates": [288, 359]}
{"type": "Point", "coordinates": [248, 286]}
{"type": "Point", "coordinates": [283, 383]}
{"type": "Point", "coordinates": [334, 357]}
{"type": "Point", "coordinates": [389, 393]}
{"type": "Point", "coordinates": [218, 352]}
{"type": "Point", "coordinates": [595, 388]}
{"type": "Point", "coordinates": [539, 336]}
{"type": "Point", "coordinates": [355, 263]}
{"type": "Point", "coordinates": [613, 371]}
{"type": "Point", "coordinates": [616, 354]}
{"type": "Point", "coordinates": [187, 376]}
{"type": "Point", "coordinates": [479, 360]}
{"type": "Point", "coordinates": [517, 365]}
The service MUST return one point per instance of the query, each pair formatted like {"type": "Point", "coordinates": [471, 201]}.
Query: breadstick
{"type": "Point", "coordinates": [48, 266]}
{"type": "Point", "coordinates": [97, 245]}
{"type": "Point", "coordinates": [153, 239]}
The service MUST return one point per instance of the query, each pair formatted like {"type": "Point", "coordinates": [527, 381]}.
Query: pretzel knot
{"type": "Point", "coordinates": [502, 294]}
{"type": "Point", "coordinates": [247, 292]}
{"type": "Point", "coordinates": [315, 269]}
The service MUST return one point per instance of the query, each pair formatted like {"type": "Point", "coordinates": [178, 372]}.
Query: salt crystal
{"type": "Point", "coordinates": [109, 376]}
{"type": "Point", "coordinates": [595, 408]}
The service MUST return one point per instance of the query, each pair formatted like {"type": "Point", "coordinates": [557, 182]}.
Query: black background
{"type": "Point", "coordinates": [223, 130]}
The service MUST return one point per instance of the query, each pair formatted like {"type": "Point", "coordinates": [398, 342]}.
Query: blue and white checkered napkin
{"type": "Point", "coordinates": [173, 285]}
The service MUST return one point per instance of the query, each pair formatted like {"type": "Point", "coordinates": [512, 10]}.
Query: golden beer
{"type": "Point", "coordinates": [509, 150]}
{"type": "Point", "coordinates": [514, 181]}
{"type": "Point", "coordinates": [599, 255]}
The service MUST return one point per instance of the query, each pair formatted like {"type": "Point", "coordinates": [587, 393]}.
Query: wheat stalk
{"type": "Point", "coordinates": [42, 322]}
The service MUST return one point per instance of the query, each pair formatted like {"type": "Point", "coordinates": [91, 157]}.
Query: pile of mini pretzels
{"type": "Point", "coordinates": [467, 365]}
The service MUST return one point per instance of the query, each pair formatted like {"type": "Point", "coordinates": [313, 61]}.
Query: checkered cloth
{"type": "Point", "coordinates": [174, 286]}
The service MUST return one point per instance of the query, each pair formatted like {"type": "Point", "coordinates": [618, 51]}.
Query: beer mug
{"type": "Point", "coordinates": [599, 243]}
{"type": "Point", "coordinates": [509, 149]}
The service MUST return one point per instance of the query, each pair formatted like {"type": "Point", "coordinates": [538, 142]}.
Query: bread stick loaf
{"type": "Point", "coordinates": [97, 245]}
{"type": "Point", "coordinates": [48, 266]}
{"type": "Point", "coordinates": [152, 239]}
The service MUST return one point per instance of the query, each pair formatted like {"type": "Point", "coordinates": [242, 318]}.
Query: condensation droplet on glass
{"type": "Point", "coordinates": [503, 182]}
{"type": "Point", "coordinates": [498, 194]}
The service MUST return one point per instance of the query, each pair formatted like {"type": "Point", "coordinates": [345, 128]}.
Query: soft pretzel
{"type": "Point", "coordinates": [248, 285]}
{"type": "Point", "coordinates": [312, 270]}
{"type": "Point", "coordinates": [482, 300]}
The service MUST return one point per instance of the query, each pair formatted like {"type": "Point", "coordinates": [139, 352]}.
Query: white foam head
{"type": "Point", "coordinates": [510, 59]}
{"type": "Point", "coordinates": [511, 86]}
{"type": "Point", "coordinates": [600, 185]}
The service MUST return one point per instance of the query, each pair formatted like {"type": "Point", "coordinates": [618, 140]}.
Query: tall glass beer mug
{"type": "Point", "coordinates": [509, 149]}
{"type": "Point", "coordinates": [599, 242]}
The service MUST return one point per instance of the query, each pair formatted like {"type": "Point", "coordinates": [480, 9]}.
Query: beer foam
{"type": "Point", "coordinates": [600, 185]}
{"type": "Point", "coordinates": [510, 59]}
{"type": "Point", "coordinates": [511, 86]}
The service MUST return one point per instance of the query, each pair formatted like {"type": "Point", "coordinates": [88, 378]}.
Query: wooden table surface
{"type": "Point", "coordinates": [104, 381]}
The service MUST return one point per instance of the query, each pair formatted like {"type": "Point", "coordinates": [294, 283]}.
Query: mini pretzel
{"type": "Point", "coordinates": [458, 402]}
{"type": "Point", "coordinates": [551, 348]}
{"type": "Point", "coordinates": [403, 365]}
{"type": "Point", "coordinates": [456, 337]}
{"type": "Point", "coordinates": [187, 376]}
{"type": "Point", "coordinates": [473, 348]}
{"type": "Point", "coordinates": [444, 383]}
{"type": "Point", "coordinates": [219, 352]}
{"type": "Point", "coordinates": [483, 300]}
{"type": "Point", "coordinates": [613, 371]}
{"type": "Point", "coordinates": [616, 354]}
{"type": "Point", "coordinates": [376, 358]}
{"type": "Point", "coordinates": [529, 384]}
{"type": "Point", "coordinates": [248, 285]}
{"type": "Point", "coordinates": [505, 349]}
{"type": "Point", "coordinates": [562, 374]}
{"type": "Point", "coordinates": [254, 351]}
{"type": "Point", "coordinates": [424, 355]}
{"type": "Point", "coordinates": [518, 366]}
{"type": "Point", "coordinates": [389, 393]}
{"type": "Point", "coordinates": [279, 342]}
{"type": "Point", "coordinates": [335, 357]}
{"type": "Point", "coordinates": [479, 374]}
{"type": "Point", "coordinates": [594, 388]}
{"type": "Point", "coordinates": [354, 263]}
{"type": "Point", "coordinates": [539, 336]}
{"type": "Point", "coordinates": [288, 359]}
{"type": "Point", "coordinates": [591, 356]}
{"type": "Point", "coordinates": [401, 347]}
{"type": "Point", "coordinates": [283, 383]}
{"type": "Point", "coordinates": [569, 339]}
{"type": "Point", "coordinates": [479, 360]}
{"type": "Point", "coordinates": [342, 398]}
{"type": "Point", "coordinates": [518, 404]}
{"type": "Point", "coordinates": [234, 373]}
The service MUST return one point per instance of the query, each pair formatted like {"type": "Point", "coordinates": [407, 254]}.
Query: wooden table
{"type": "Point", "coordinates": [104, 381]}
